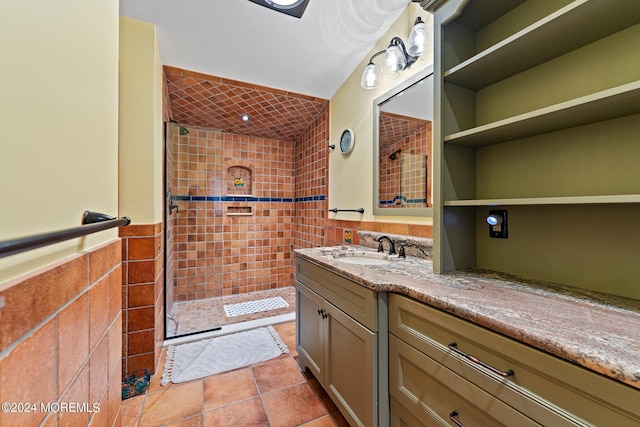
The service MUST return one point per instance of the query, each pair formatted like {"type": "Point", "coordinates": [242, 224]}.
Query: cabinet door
{"type": "Point", "coordinates": [350, 374]}
{"type": "Point", "coordinates": [310, 331]}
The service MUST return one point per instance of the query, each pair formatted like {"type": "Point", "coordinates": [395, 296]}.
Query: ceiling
{"type": "Point", "coordinates": [225, 58]}
{"type": "Point", "coordinates": [202, 101]}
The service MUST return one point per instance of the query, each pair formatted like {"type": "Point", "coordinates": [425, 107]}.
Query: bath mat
{"type": "Point", "coordinates": [256, 306]}
{"type": "Point", "coordinates": [186, 362]}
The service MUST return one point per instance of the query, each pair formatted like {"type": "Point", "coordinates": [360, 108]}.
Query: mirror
{"type": "Point", "coordinates": [402, 135]}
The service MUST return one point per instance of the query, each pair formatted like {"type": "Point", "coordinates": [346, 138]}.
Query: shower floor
{"type": "Point", "coordinates": [206, 314]}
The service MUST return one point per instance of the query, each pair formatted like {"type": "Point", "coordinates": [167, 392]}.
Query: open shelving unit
{"type": "Point", "coordinates": [538, 112]}
{"type": "Point", "coordinates": [575, 25]}
{"type": "Point", "coordinates": [608, 104]}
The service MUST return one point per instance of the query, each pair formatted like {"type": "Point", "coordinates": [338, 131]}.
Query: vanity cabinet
{"type": "Point", "coordinates": [337, 339]}
{"type": "Point", "coordinates": [537, 107]}
{"type": "Point", "coordinates": [443, 368]}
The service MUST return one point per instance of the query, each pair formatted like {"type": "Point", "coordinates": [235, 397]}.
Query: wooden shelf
{"type": "Point", "coordinates": [575, 25]}
{"type": "Point", "coordinates": [573, 200]}
{"type": "Point", "coordinates": [476, 16]}
{"type": "Point", "coordinates": [605, 105]}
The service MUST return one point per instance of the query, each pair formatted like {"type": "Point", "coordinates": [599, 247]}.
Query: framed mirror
{"type": "Point", "coordinates": [402, 139]}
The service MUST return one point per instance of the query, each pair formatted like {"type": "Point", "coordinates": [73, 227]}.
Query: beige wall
{"type": "Point", "coordinates": [141, 126]}
{"type": "Point", "coordinates": [351, 177]}
{"type": "Point", "coordinates": [59, 121]}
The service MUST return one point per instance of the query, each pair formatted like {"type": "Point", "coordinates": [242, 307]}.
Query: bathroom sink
{"type": "Point", "coordinates": [363, 258]}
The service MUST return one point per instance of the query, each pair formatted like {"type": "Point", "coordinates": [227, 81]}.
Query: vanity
{"type": "Point", "coordinates": [337, 336]}
{"type": "Point", "coordinates": [394, 344]}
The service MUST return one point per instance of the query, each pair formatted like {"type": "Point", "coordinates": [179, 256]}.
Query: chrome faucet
{"type": "Point", "coordinates": [392, 247]}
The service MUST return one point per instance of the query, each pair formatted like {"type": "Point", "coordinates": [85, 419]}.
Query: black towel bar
{"type": "Point", "coordinates": [92, 223]}
{"type": "Point", "coordinates": [359, 210]}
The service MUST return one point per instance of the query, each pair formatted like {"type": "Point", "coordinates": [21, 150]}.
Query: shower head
{"type": "Point", "coordinates": [394, 155]}
{"type": "Point", "coordinates": [181, 129]}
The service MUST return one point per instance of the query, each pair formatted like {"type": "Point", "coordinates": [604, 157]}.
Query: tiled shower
{"type": "Point", "coordinates": [244, 202]}
{"type": "Point", "coordinates": [228, 241]}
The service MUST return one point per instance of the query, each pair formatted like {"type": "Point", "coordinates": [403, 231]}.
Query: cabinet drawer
{"type": "Point", "coordinates": [399, 416]}
{"type": "Point", "coordinates": [353, 299]}
{"type": "Point", "coordinates": [430, 391]}
{"type": "Point", "coordinates": [555, 384]}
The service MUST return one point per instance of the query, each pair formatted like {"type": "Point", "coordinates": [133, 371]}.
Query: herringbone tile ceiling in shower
{"type": "Point", "coordinates": [203, 101]}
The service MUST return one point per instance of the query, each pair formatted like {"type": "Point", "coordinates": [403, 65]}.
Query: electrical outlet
{"type": "Point", "coordinates": [497, 221]}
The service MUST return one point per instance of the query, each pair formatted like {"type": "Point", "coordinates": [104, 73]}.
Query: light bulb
{"type": "Point", "coordinates": [417, 38]}
{"type": "Point", "coordinates": [369, 76]}
{"type": "Point", "coordinates": [494, 220]}
{"type": "Point", "coordinates": [394, 60]}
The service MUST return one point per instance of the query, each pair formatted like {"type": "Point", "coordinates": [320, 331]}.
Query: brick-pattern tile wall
{"type": "Point", "coordinates": [61, 340]}
{"type": "Point", "coordinates": [142, 296]}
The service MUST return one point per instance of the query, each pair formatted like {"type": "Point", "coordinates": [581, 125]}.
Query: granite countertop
{"type": "Point", "coordinates": [598, 331]}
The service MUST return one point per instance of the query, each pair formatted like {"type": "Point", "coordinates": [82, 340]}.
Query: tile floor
{"type": "Point", "coordinates": [274, 393]}
{"type": "Point", "coordinates": [201, 315]}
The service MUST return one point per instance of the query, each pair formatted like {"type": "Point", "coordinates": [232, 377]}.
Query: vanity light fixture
{"type": "Point", "coordinates": [397, 57]}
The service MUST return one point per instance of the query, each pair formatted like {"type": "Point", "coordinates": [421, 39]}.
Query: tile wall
{"type": "Point", "coordinates": [311, 160]}
{"type": "Point", "coordinates": [61, 341]}
{"type": "Point", "coordinates": [142, 296]}
{"type": "Point", "coordinates": [227, 244]}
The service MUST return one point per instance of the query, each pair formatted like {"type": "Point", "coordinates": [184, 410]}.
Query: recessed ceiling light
{"type": "Point", "coordinates": [245, 117]}
{"type": "Point", "coordinates": [285, 3]}
{"type": "Point", "coordinates": [290, 7]}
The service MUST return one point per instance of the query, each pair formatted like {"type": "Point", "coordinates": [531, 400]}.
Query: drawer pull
{"type": "Point", "coordinates": [452, 417]}
{"type": "Point", "coordinates": [454, 347]}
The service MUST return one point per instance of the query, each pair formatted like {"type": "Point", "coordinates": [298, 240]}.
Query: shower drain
{"type": "Point", "coordinates": [257, 306]}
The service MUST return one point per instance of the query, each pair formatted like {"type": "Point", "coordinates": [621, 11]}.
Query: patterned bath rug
{"type": "Point", "coordinates": [198, 359]}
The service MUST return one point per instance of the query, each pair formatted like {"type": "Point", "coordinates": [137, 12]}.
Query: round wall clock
{"type": "Point", "coordinates": [347, 139]}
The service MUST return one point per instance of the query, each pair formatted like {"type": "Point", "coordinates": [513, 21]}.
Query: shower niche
{"type": "Point", "coordinates": [239, 184]}
{"type": "Point", "coordinates": [239, 181]}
